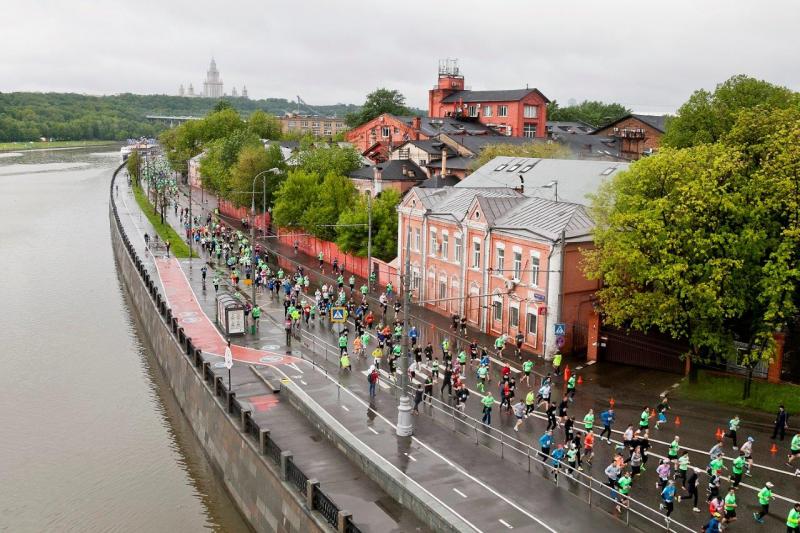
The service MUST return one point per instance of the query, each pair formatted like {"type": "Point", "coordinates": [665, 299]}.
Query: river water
{"type": "Point", "coordinates": [90, 436]}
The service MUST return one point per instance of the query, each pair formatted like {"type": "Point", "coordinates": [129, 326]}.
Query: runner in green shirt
{"type": "Point", "coordinates": [674, 446]}
{"type": "Point", "coordinates": [644, 418]}
{"type": "Point", "coordinates": [793, 520]}
{"type": "Point", "coordinates": [624, 484]}
{"type": "Point", "coordinates": [730, 506]}
{"type": "Point", "coordinates": [487, 402]}
{"type": "Point", "coordinates": [462, 358]}
{"type": "Point", "coordinates": [716, 465]}
{"type": "Point", "coordinates": [588, 421]}
{"type": "Point", "coordinates": [342, 344]}
{"type": "Point", "coordinates": [764, 497]}
{"type": "Point", "coordinates": [527, 367]}
{"type": "Point", "coordinates": [573, 380]}
{"type": "Point", "coordinates": [483, 372]}
{"type": "Point", "coordinates": [738, 468]}
{"type": "Point", "coordinates": [557, 363]}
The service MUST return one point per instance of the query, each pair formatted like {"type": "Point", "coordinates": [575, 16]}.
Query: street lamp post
{"type": "Point", "coordinates": [404, 425]}
{"type": "Point", "coordinates": [369, 241]}
{"type": "Point", "coordinates": [262, 174]}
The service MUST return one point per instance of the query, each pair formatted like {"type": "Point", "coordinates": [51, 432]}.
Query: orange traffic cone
{"type": "Point", "coordinates": [611, 402]}
{"type": "Point", "coordinates": [580, 380]}
{"type": "Point", "coordinates": [677, 421]}
{"type": "Point", "coordinates": [774, 449]}
{"type": "Point", "coordinates": [718, 434]}
{"type": "Point", "coordinates": [652, 413]}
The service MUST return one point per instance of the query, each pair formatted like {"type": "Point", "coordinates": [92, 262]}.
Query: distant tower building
{"type": "Point", "coordinates": [181, 91]}
{"type": "Point", "coordinates": [191, 90]}
{"type": "Point", "coordinates": [244, 92]}
{"type": "Point", "coordinates": [234, 93]}
{"type": "Point", "coordinates": [212, 87]}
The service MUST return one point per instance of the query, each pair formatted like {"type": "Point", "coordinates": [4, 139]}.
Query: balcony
{"type": "Point", "coordinates": [629, 133]}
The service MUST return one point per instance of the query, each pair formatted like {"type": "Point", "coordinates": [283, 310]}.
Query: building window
{"type": "Point", "coordinates": [305, 124]}
{"type": "Point", "coordinates": [434, 244]}
{"type": "Point", "coordinates": [472, 111]}
{"type": "Point", "coordinates": [386, 131]}
{"type": "Point", "coordinates": [476, 254]}
{"type": "Point", "coordinates": [445, 245]}
{"type": "Point", "coordinates": [529, 129]}
{"type": "Point", "coordinates": [531, 111]}
{"type": "Point", "coordinates": [517, 265]}
{"type": "Point", "coordinates": [501, 260]}
{"type": "Point", "coordinates": [502, 111]}
{"type": "Point", "coordinates": [535, 269]}
{"type": "Point", "coordinates": [416, 280]}
{"type": "Point", "coordinates": [458, 251]}
{"type": "Point", "coordinates": [497, 308]}
{"type": "Point", "coordinates": [442, 291]}
{"type": "Point", "coordinates": [532, 326]}
{"type": "Point", "coordinates": [417, 239]}
{"type": "Point", "coordinates": [487, 111]}
{"type": "Point", "coordinates": [513, 317]}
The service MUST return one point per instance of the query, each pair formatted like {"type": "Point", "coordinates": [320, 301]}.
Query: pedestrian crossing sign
{"type": "Point", "coordinates": [560, 329]}
{"type": "Point", "coordinates": [338, 314]}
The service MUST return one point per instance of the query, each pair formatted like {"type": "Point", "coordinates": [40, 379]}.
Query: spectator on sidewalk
{"type": "Point", "coordinates": [781, 423]}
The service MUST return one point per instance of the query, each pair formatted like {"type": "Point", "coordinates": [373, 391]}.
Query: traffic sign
{"type": "Point", "coordinates": [560, 329]}
{"type": "Point", "coordinates": [338, 315]}
{"type": "Point", "coordinates": [228, 358]}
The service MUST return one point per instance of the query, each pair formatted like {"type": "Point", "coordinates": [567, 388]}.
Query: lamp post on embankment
{"type": "Point", "coordinates": [262, 174]}
{"type": "Point", "coordinates": [405, 427]}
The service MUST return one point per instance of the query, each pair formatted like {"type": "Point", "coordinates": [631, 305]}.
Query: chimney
{"type": "Point", "coordinates": [416, 123]}
{"type": "Point", "coordinates": [521, 187]}
{"type": "Point", "coordinates": [405, 170]}
{"type": "Point", "coordinates": [444, 162]}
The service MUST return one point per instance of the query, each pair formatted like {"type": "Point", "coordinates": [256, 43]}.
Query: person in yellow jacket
{"type": "Point", "coordinates": [793, 520]}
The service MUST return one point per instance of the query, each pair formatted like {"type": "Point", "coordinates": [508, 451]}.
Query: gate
{"type": "Point", "coordinates": [580, 339]}
{"type": "Point", "coordinates": [649, 350]}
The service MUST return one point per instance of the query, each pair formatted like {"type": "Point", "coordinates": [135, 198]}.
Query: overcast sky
{"type": "Point", "coordinates": [648, 55]}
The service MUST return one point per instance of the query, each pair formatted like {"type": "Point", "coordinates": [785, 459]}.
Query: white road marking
{"type": "Point", "coordinates": [589, 363]}
{"type": "Point", "coordinates": [459, 492]}
{"type": "Point", "coordinates": [410, 457]}
{"type": "Point", "coordinates": [303, 382]}
{"type": "Point", "coordinates": [509, 526]}
{"type": "Point", "coordinates": [579, 367]}
{"type": "Point", "coordinates": [345, 408]}
{"type": "Point", "coordinates": [295, 367]}
{"type": "Point", "coordinates": [372, 430]}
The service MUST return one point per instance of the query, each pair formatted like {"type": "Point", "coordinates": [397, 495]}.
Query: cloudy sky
{"type": "Point", "coordinates": [648, 55]}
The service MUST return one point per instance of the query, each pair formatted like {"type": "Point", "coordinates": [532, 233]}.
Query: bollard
{"type": "Point", "coordinates": [263, 435]}
{"type": "Point", "coordinates": [311, 486]}
{"type": "Point", "coordinates": [189, 346]}
{"type": "Point", "coordinates": [344, 517]}
{"type": "Point", "coordinates": [245, 419]}
{"type": "Point", "coordinates": [231, 396]}
{"type": "Point", "coordinates": [285, 456]}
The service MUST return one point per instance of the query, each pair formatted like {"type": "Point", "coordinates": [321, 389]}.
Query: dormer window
{"type": "Point", "coordinates": [501, 167]}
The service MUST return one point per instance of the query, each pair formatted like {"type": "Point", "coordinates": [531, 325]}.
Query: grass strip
{"type": "Point", "coordinates": [177, 245]}
{"type": "Point", "coordinates": [35, 145]}
{"type": "Point", "coordinates": [727, 390]}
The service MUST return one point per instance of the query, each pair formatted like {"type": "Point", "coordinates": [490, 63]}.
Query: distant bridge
{"type": "Point", "coordinates": [170, 121]}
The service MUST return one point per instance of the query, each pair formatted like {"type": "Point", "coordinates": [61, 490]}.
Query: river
{"type": "Point", "coordinates": [91, 438]}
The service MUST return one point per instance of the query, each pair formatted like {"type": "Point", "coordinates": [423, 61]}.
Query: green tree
{"type": "Point", "coordinates": [707, 116]}
{"type": "Point", "coordinates": [702, 243]}
{"type": "Point", "coordinates": [221, 155]}
{"type": "Point", "coordinates": [264, 126]}
{"type": "Point", "coordinates": [132, 165]}
{"type": "Point", "coordinates": [252, 160]}
{"type": "Point", "coordinates": [352, 235]}
{"type": "Point", "coordinates": [335, 194]}
{"type": "Point", "coordinates": [378, 102]}
{"type": "Point", "coordinates": [592, 112]}
{"type": "Point", "coordinates": [545, 151]}
{"type": "Point", "coordinates": [327, 159]}
{"type": "Point", "coordinates": [293, 198]}
{"type": "Point", "coordinates": [222, 105]}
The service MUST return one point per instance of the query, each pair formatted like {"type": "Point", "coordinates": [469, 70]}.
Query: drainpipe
{"type": "Point", "coordinates": [423, 290]}
{"type": "Point", "coordinates": [548, 350]}
{"type": "Point", "coordinates": [464, 258]}
{"type": "Point", "coordinates": [485, 298]}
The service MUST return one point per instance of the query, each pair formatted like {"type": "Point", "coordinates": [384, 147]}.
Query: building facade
{"type": "Point", "coordinates": [313, 124]}
{"type": "Point", "coordinates": [212, 86]}
{"type": "Point", "coordinates": [637, 135]}
{"type": "Point", "coordinates": [515, 112]}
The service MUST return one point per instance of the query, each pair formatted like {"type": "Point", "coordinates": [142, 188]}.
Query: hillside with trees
{"type": "Point", "coordinates": [68, 116]}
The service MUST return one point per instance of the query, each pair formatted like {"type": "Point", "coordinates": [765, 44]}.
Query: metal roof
{"type": "Point", "coordinates": [576, 178]}
{"type": "Point", "coordinates": [507, 95]}
{"type": "Point", "coordinates": [546, 218]}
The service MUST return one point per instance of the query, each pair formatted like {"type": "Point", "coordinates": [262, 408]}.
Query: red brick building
{"type": "Point", "coordinates": [515, 112]}
{"type": "Point", "coordinates": [637, 135]}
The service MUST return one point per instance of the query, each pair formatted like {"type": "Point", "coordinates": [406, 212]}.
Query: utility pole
{"type": "Point", "coordinates": [190, 227]}
{"type": "Point", "coordinates": [252, 245]}
{"type": "Point", "coordinates": [369, 240]}
{"type": "Point", "coordinates": [404, 426]}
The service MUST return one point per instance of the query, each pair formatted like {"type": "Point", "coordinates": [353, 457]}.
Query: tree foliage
{"type": "Point", "coordinates": [333, 195]}
{"type": "Point", "coordinates": [252, 161]}
{"type": "Point", "coordinates": [707, 116]}
{"type": "Point", "coordinates": [264, 125]}
{"type": "Point", "coordinates": [543, 150]}
{"type": "Point", "coordinates": [378, 102]}
{"type": "Point", "coordinates": [293, 198]}
{"type": "Point", "coordinates": [63, 116]}
{"type": "Point", "coordinates": [592, 112]}
{"type": "Point", "coordinates": [352, 235]}
{"type": "Point", "coordinates": [703, 243]}
{"type": "Point", "coordinates": [221, 155]}
{"type": "Point", "coordinates": [321, 160]}
{"type": "Point", "coordinates": [132, 165]}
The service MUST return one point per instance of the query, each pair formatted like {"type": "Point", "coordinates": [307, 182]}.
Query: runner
{"type": "Point", "coordinates": [607, 417]}
{"type": "Point", "coordinates": [487, 402]}
{"type": "Point", "coordinates": [668, 497]}
{"type": "Point", "coordinates": [557, 363]}
{"type": "Point", "coordinates": [764, 497]}
{"type": "Point", "coordinates": [793, 519]}
{"type": "Point", "coordinates": [545, 442]}
{"type": "Point", "coordinates": [519, 412]}
{"type": "Point", "coordinates": [733, 427]}
{"type": "Point", "coordinates": [588, 421]}
{"type": "Point", "coordinates": [588, 448]}
{"type": "Point", "coordinates": [573, 379]}
{"type": "Point", "coordinates": [794, 452]}
{"type": "Point", "coordinates": [624, 490]}
{"type": "Point", "coordinates": [344, 361]}
{"type": "Point", "coordinates": [737, 469]}
{"type": "Point", "coordinates": [730, 507]}
{"type": "Point", "coordinates": [519, 339]}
